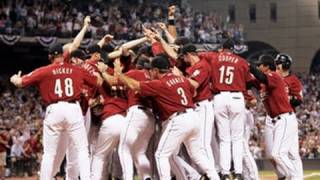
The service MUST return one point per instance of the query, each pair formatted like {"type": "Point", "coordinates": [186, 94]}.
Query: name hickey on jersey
{"type": "Point", "coordinates": [61, 71]}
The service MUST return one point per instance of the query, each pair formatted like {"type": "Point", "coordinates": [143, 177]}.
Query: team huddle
{"type": "Point", "coordinates": [197, 100]}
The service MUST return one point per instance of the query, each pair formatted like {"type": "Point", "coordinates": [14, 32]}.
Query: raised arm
{"type": "Point", "coordinates": [164, 28]}
{"type": "Point", "coordinates": [77, 40]}
{"type": "Point", "coordinates": [129, 82]}
{"type": "Point", "coordinates": [167, 48]}
{"type": "Point", "coordinates": [105, 40]}
{"type": "Point", "coordinates": [171, 22]}
{"type": "Point", "coordinates": [111, 80]}
{"type": "Point", "coordinates": [127, 45]}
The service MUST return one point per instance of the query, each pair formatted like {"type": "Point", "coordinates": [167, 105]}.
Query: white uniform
{"type": "Point", "coordinates": [250, 169]}
{"type": "Point", "coordinates": [285, 147]}
{"type": "Point", "coordinates": [182, 128]}
{"type": "Point", "coordinates": [68, 148]}
{"type": "Point", "coordinates": [134, 142]}
{"type": "Point", "coordinates": [57, 121]}
{"type": "Point", "coordinates": [108, 139]}
{"type": "Point", "coordinates": [229, 110]}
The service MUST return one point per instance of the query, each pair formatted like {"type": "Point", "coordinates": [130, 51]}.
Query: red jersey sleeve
{"type": "Point", "coordinates": [150, 88]}
{"type": "Point", "coordinates": [157, 48]}
{"type": "Point", "coordinates": [32, 78]}
{"type": "Point", "coordinates": [273, 79]}
{"type": "Point", "coordinates": [199, 75]}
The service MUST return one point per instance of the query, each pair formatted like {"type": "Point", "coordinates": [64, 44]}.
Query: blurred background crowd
{"type": "Point", "coordinates": [121, 18]}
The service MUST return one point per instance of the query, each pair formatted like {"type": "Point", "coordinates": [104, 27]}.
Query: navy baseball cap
{"type": "Point", "coordinates": [78, 53]}
{"type": "Point", "coordinates": [56, 49]}
{"type": "Point", "coordinates": [143, 63]}
{"type": "Point", "coordinates": [160, 62]}
{"type": "Point", "coordinates": [93, 49]}
{"type": "Point", "coordinates": [266, 60]}
{"type": "Point", "coordinates": [182, 40]}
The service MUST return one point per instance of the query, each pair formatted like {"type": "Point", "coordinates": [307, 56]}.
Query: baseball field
{"type": "Point", "coordinates": [264, 175]}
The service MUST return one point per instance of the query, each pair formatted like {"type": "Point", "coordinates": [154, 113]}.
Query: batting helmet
{"type": "Point", "coordinates": [284, 59]}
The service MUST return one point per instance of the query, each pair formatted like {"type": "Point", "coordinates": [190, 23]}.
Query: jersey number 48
{"type": "Point", "coordinates": [68, 88]}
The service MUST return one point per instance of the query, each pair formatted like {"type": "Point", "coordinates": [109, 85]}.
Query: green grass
{"type": "Point", "coordinates": [308, 174]}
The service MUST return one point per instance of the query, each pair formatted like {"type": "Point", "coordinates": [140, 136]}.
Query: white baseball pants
{"type": "Point", "coordinates": [108, 139]}
{"type": "Point", "coordinates": [285, 149]}
{"type": "Point", "coordinates": [229, 110]}
{"type": "Point", "coordinates": [181, 128]}
{"type": "Point", "coordinates": [250, 169]}
{"type": "Point", "coordinates": [67, 147]}
{"type": "Point", "coordinates": [134, 142]}
{"type": "Point", "coordinates": [64, 116]}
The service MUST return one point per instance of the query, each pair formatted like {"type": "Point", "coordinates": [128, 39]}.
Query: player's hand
{"type": "Point", "coordinates": [117, 67]}
{"type": "Point", "coordinates": [176, 71]}
{"type": "Point", "coordinates": [108, 38]}
{"type": "Point", "coordinates": [87, 20]}
{"type": "Point", "coordinates": [15, 78]}
{"type": "Point", "coordinates": [171, 10]}
{"type": "Point", "coordinates": [251, 103]}
{"type": "Point", "coordinates": [124, 51]}
{"type": "Point", "coordinates": [102, 67]}
{"type": "Point", "coordinates": [162, 26]}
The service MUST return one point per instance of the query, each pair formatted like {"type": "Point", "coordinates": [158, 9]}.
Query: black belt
{"type": "Point", "coordinates": [277, 118]}
{"type": "Point", "coordinates": [215, 93]}
{"type": "Point", "coordinates": [142, 108]}
{"type": "Point", "coordinates": [181, 112]}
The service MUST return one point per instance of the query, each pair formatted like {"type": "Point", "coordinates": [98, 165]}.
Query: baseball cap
{"type": "Point", "coordinates": [160, 62]}
{"type": "Point", "coordinates": [144, 63]}
{"type": "Point", "coordinates": [78, 53]}
{"type": "Point", "coordinates": [182, 40]}
{"type": "Point", "coordinates": [56, 49]}
{"type": "Point", "coordinates": [93, 48]}
{"type": "Point", "coordinates": [228, 44]}
{"type": "Point", "coordinates": [188, 48]}
{"type": "Point", "coordinates": [266, 60]}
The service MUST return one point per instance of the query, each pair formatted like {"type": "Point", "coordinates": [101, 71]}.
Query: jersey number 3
{"type": "Point", "coordinates": [226, 74]}
{"type": "Point", "coordinates": [184, 100]}
{"type": "Point", "coordinates": [68, 88]}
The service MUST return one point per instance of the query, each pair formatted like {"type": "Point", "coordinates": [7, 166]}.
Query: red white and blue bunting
{"type": "Point", "coordinates": [10, 39]}
{"type": "Point", "coordinates": [46, 41]}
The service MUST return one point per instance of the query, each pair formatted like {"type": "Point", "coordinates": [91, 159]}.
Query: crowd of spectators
{"type": "Point", "coordinates": [121, 18]}
{"type": "Point", "coordinates": [20, 127]}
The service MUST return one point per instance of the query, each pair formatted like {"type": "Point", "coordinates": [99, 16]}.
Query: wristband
{"type": "Point", "coordinates": [171, 22]}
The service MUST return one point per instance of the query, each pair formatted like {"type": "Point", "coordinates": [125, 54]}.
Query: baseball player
{"type": "Point", "coordinates": [282, 117]}
{"type": "Point", "coordinates": [229, 76]}
{"type": "Point", "coordinates": [113, 120]}
{"type": "Point", "coordinates": [200, 73]}
{"type": "Point", "coordinates": [65, 146]}
{"type": "Point", "coordinates": [60, 87]}
{"type": "Point", "coordinates": [135, 136]}
{"type": "Point", "coordinates": [250, 169]}
{"type": "Point", "coordinates": [173, 95]}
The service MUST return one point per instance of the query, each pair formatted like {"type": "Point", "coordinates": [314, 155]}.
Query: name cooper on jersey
{"type": "Point", "coordinates": [226, 58]}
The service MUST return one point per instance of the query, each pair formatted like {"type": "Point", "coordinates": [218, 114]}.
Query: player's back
{"type": "Point", "coordinates": [229, 72]}
{"type": "Point", "coordinates": [59, 82]}
{"type": "Point", "coordinates": [175, 94]}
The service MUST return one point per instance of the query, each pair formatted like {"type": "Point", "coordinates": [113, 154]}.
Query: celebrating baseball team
{"type": "Point", "coordinates": [191, 106]}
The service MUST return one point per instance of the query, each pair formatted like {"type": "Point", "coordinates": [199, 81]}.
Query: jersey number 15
{"type": "Point", "coordinates": [226, 74]}
{"type": "Point", "coordinates": [68, 88]}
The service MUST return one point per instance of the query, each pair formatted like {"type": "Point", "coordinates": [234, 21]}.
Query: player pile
{"type": "Point", "coordinates": [199, 99]}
